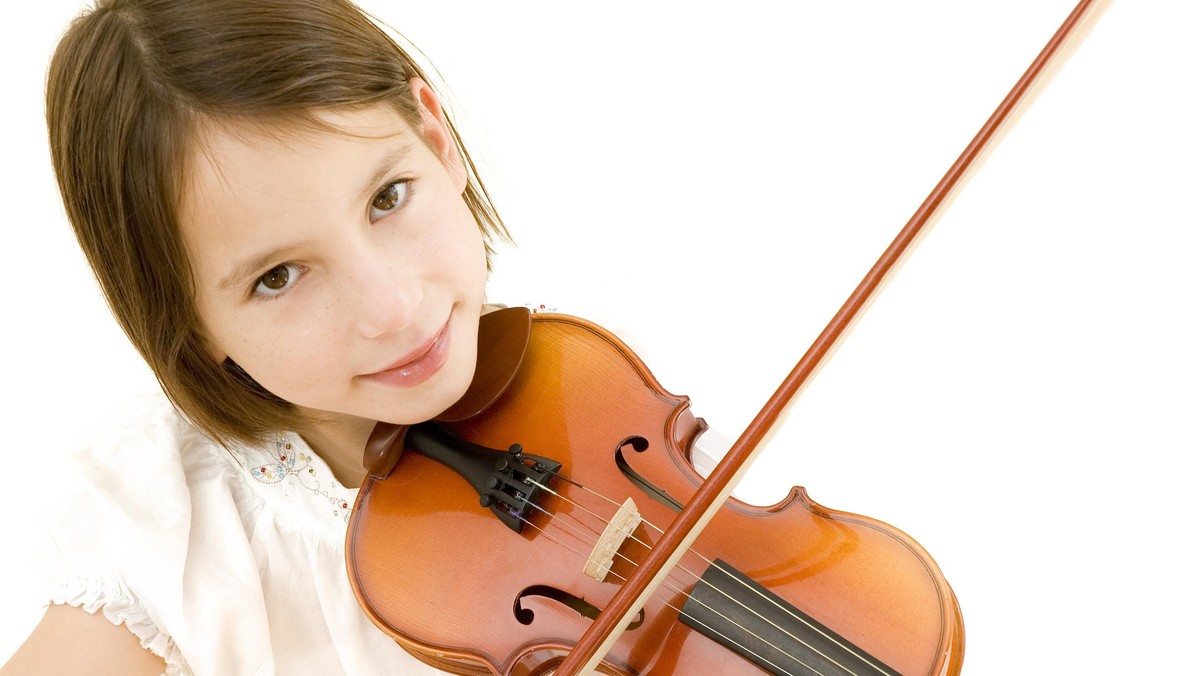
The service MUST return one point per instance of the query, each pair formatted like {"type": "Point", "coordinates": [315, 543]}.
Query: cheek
{"type": "Point", "coordinates": [285, 358]}
{"type": "Point", "coordinates": [215, 330]}
{"type": "Point", "coordinates": [470, 250]}
{"type": "Point", "coordinates": [299, 372]}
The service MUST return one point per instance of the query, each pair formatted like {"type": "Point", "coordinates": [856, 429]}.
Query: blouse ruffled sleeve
{"type": "Point", "coordinates": [193, 546]}
{"type": "Point", "coordinates": [118, 604]}
{"type": "Point", "coordinates": [122, 515]}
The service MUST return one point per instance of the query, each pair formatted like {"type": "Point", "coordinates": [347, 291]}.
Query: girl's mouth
{"type": "Point", "coordinates": [419, 365]}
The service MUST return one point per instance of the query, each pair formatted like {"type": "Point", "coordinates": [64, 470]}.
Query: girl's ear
{"type": "Point", "coordinates": [436, 130]}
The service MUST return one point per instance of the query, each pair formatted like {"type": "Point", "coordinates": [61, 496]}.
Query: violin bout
{"type": "Point", "coordinates": [813, 590]}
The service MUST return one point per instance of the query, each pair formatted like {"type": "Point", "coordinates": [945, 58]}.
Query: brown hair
{"type": "Point", "coordinates": [128, 85]}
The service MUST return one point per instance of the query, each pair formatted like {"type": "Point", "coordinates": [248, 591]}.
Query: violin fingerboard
{"type": "Point", "coordinates": [733, 610]}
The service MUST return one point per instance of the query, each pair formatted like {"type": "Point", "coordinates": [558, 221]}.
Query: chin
{"type": "Point", "coordinates": [455, 387]}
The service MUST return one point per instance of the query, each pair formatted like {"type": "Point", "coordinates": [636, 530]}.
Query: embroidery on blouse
{"type": "Point", "coordinates": [541, 307]}
{"type": "Point", "coordinates": [298, 467]}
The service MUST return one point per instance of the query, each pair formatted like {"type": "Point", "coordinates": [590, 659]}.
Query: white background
{"type": "Point", "coordinates": [711, 180]}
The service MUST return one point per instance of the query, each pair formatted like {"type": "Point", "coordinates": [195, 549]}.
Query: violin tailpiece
{"type": "Point", "coordinates": [508, 482]}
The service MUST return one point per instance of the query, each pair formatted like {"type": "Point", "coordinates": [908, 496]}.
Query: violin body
{"type": "Point", "coordinates": [464, 592]}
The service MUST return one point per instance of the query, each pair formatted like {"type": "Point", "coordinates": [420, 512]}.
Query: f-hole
{"type": "Point", "coordinates": [579, 605]}
{"type": "Point", "coordinates": [640, 444]}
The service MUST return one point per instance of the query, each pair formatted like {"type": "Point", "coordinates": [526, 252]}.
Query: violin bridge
{"type": "Point", "coordinates": [620, 528]}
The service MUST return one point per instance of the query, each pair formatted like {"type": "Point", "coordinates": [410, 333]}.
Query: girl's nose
{"type": "Point", "coordinates": [382, 296]}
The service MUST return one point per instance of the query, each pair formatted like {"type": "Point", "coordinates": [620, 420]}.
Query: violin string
{"type": "Point", "coordinates": [836, 640]}
{"type": "Point", "coordinates": [686, 594]}
{"type": "Point", "coordinates": [670, 605]}
{"type": "Point", "coordinates": [603, 520]}
{"type": "Point", "coordinates": [700, 579]}
{"type": "Point", "coordinates": [588, 538]}
{"type": "Point", "coordinates": [680, 590]}
{"type": "Point", "coordinates": [630, 535]}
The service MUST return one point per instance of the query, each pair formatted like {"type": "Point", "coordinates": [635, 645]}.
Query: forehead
{"type": "Point", "coordinates": [247, 182]}
{"type": "Point", "coordinates": [232, 153]}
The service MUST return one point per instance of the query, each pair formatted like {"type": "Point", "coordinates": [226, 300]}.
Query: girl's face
{"type": "Point", "coordinates": [340, 268]}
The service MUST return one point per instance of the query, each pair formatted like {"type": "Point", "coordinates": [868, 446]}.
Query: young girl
{"type": "Point", "coordinates": [290, 231]}
{"type": "Point", "coordinates": [786, 148]}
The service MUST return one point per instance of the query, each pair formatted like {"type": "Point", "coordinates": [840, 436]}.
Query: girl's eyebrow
{"type": "Point", "coordinates": [250, 266]}
{"type": "Point", "coordinates": [385, 167]}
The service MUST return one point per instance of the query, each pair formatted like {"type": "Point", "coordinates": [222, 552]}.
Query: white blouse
{"type": "Point", "coordinates": [221, 562]}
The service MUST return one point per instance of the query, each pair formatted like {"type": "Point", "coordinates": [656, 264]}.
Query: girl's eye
{"type": "Point", "coordinates": [277, 280]}
{"type": "Point", "coordinates": [389, 199]}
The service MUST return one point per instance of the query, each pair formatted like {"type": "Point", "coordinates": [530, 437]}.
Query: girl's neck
{"type": "Point", "coordinates": [340, 443]}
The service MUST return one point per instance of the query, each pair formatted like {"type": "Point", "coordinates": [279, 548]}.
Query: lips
{"type": "Point", "coordinates": [419, 365]}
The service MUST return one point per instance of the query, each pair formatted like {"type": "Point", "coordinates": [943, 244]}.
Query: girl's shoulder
{"type": "Point", "coordinates": [152, 468]}
{"type": "Point", "coordinates": [156, 525]}
{"type": "Point", "coordinates": [113, 532]}
{"type": "Point", "coordinates": [139, 461]}
{"type": "Point", "coordinates": [133, 476]}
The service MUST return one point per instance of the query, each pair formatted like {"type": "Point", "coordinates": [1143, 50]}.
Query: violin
{"type": "Point", "coordinates": [554, 517]}
{"type": "Point", "coordinates": [794, 588]}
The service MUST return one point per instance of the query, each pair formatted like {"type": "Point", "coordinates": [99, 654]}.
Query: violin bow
{"type": "Point", "coordinates": [606, 629]}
